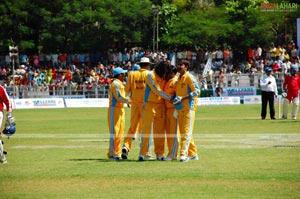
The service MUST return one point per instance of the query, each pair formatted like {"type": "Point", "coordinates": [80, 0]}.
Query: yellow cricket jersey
{"type": "Point", "coordinates": [278, 52]}
{"type": "Point", "coordinates": [136, 85]}
{"type": "Point", "coordinates": [273, 52]}
{"type": "Point", "coordinates": [117, 94]}
{"type": "Point", "coordinates": [169, 89]}
{"type": "Point", "coordinates": [187, 85]}
{"type": "Point", "coordinates": [154, 89]}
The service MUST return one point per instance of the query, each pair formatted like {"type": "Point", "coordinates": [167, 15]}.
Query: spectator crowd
{"type": "Point", "coordinates": [84, 71]}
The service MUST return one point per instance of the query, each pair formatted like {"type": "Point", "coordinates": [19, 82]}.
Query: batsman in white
{"type": "Point", "coordinates": [10, 121]}
{"type": "Point", "coordinates": [291, 86]}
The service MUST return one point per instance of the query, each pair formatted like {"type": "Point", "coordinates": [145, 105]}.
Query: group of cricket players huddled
{"type": "Point", "coordinates": [162, 99]}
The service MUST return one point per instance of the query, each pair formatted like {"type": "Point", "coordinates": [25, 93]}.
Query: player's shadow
{"type": "Point", "coordinates": [286, 121]}
{"type": "Point", "coordinates": [100, 160]}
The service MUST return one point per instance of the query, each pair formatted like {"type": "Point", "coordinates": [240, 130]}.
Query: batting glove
{"type": "Point", "coordinates": [8, 114]}
{"type": "Point", "coordinates": [193, 94]}
{"type": "Point", "coordinates": [177, 100]}
{"type": "Point", "coordinates": [284, 94]}
{"type": "Point", "coordinates": [10, 119]}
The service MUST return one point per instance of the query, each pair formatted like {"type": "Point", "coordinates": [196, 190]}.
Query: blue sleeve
{"type": "Point", "coordinates": [196, 86]}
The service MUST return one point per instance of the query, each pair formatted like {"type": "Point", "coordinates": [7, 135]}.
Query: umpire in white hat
{"type": "Point", "coordinates": [268, 93]}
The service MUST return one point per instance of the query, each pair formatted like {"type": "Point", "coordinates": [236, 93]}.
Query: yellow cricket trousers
{"type": "Point", "coordinates": [154, 125]}
{"type": "Point", "coordinates": [116, 124]}
{"type": "Point", "coordinates": [186, 125]}
{"type": "Point", "coordinates": [135, 122]}
{"type": "Point", "coordinates": [171, 133]}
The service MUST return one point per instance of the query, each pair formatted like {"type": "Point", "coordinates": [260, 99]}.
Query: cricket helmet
{"type": "Point", "coordinates": [9, 129]}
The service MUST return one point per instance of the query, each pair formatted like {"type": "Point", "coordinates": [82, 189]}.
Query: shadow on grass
{"type": "Point", "coordinates": [286, 121]}
{"type": "Point", "coordinates": [102, 160]}
{"type": "Point", "coordinates": [277, 120]}
{"type": "Point", "coordinates": [286, 146]}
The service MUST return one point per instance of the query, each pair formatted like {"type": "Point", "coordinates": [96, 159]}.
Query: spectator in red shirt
{"type": "Point", "coordinates": [275, 67]}
{"type": "Point", "coordinates": [68, 75]}
{"type": "Point", "coordinates": [63, 59]}
{"type": "Point", "coordinates": [251, 53]}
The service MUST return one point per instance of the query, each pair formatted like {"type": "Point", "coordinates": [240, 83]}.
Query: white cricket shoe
{"type": "Point", "coordinates": [3, 160]}
{"type": "Point", "coordinates": [184, 158]}
{"type": "Point", "coordinates": [150, 157]}
{"type": "Point", "coordinates": [147, 157]}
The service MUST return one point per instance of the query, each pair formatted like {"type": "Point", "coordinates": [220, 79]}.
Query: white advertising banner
{"type": "Point", "coordinates": [204, 101]}
{"type": "Point", "coordinates": [39, 103]}
{"type": "Point", "coordinates": [87, 102]}
{"type": "Point", "coordinates": [239, 91]}
{"type": "Point", "coordinates": [252, 99]}
{"type": "Point", "coordinates": [256, 99]}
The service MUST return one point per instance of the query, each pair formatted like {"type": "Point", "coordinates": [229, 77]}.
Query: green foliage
{"type": "Point", "coordinates": [251, 23]}
{"type": "Point", "coordinates": [89, 25]}
{"type": "Point", "coordinates": [200, 27]}
{"type": "Point", "coordinates": [168, 16]}
{"type": "Point", "coordinates": [28, 44]}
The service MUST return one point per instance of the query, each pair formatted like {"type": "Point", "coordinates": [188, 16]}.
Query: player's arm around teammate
{"type": "Point", "coordinates": [171, 120]}
{"type": "Point", "coordinates": [187, 92]}
{"type": "Point", "coordinates": [116, 113]}
{"type": "Point", "coordinates": [154, 112]}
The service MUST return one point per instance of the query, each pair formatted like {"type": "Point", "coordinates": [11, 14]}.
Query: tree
{"type": "Point", "coordinates": [255, 26]}
{"type": "Point", "coordinates": [73, 25]}
{"type": "Point", "coordinates": [15, 21]}
{"type": "Point", "coordinates": [93, 25]}
{"type": "Point", "coordinates": [200, 27]}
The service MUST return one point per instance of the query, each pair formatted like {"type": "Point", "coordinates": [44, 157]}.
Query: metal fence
{"type": "Point", "coordinates": [102, 91]}
{"type": "Point", "coordinates": [80, 91]}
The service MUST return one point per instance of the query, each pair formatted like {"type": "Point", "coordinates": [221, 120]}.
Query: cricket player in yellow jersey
{"type": "Point", "coordinates": [138, 133]}
{"type": "Point", "coordinates": [154, 113]}
{"type": "Point", "coordinates": [135, 87]}
{"type": "Point", "coordinates": [185, 102]}
{"type": "Point", "coordinates": [171, 120]}
{"type": "Point", "coordinates": [116, 113]}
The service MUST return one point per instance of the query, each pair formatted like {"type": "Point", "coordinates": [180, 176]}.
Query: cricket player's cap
{"type": "Point", "coordinates": [268, 69]}
{"type": "Point", "coordinates": [136, 67]}
{"type": "Point", "coordinates": [145, 60]}
{"type": "Point", "coordinates": [294, 68]}
{"type": "Point", "coordinates": [118, 70]}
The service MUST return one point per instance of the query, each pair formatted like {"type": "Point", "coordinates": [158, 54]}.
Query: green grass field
{"type": "Point", "coordinates": [61, 153]}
